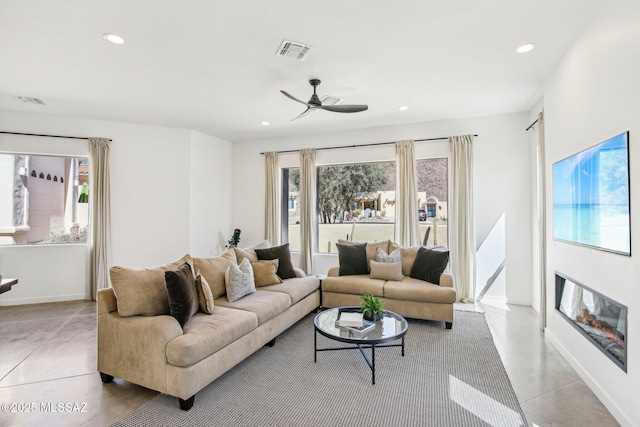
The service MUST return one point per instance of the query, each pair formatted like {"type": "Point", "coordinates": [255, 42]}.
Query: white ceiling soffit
{"type": "Point", "coordinates": [210, 66]}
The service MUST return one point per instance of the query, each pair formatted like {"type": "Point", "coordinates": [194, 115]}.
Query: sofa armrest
{"type": "Point", "coordinates": [134, 348]}
{"type": "Point", "coordinates": [106, 301]}
{"type": "Point", "coordinates": [299, 272]}
{"type": "Point", "coordinates": [446, 280]}
{"type": "Point", "coordinates": [333, 272]}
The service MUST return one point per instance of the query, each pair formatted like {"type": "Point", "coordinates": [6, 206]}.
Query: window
{"type": "Point", "coordinates": [358, 202]}
{"type": "Point", "coordinates": [433, 189]}
{"type": "Point", "coordinates": [291, 208]}
{"type": "Point", "coordinates": [355, 202]}
{"type": "Point", "coordinates": [37, 210]}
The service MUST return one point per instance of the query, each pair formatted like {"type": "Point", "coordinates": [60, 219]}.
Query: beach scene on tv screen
{"type": "Point", "coordinates": [591, 197]}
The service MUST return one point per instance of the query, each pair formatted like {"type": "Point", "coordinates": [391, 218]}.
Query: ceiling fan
{"type": "Point", "coordinates": [316, 104]}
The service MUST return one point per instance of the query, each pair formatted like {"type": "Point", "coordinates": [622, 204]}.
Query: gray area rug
{"type": "Point", "coordinates": [447, 378]}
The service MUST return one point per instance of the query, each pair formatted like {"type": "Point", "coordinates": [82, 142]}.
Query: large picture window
{"type": "Point", "coordinates": [43, 199]}
{"type": "Point", "coordinates": [355, 202]}
{"type": "Point", "coordinates": [358, 202]}
{"type": "Point", "coordinates": [433, 189]}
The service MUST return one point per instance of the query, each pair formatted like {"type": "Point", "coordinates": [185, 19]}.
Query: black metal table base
{"type": "Point", "coordinates": [371, 362]}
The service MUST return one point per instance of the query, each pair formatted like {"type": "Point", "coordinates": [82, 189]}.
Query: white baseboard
{"type": "Point", "coordinates": [518, 301]}
{"type": "Point", "coordinates": [609, 403]}
{"type": "Point", "coordinates": [40, 300]}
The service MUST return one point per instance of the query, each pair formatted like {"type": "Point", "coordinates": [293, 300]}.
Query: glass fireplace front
{"type": "Point", "coordinates": [600, 319]}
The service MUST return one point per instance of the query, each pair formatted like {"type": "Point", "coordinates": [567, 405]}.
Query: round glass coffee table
{"type": "Point", "coordinates": [391, 327]}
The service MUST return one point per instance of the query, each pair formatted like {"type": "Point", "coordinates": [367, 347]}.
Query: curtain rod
{"type": "Point", "coordinates": [48, 136]}
{"type": "Point", "coordinates": [531, 125]}
{"type": "Point", "coordinates": [365, 145]}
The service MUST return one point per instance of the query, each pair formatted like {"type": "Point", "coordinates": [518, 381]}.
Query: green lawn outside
{"type": "Point", "coordinates": [363, 232]}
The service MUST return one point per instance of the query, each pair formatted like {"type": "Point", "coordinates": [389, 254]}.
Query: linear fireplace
{"type": "Point", "coordinates": [600, 319]}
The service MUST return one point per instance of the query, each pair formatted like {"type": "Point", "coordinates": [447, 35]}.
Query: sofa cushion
{"type": "Point", "coordinates": [386, 270]}
{"type": "Point", "coordinates": [358, 285]}
{"type": "Point", "coordinates": [142, 291]}
{"type": "Point", "coordinates": [264, 272]}
{"type": "Point", "coordinates": [205, 297]}
{"type": "Point", "coordinates": [352, 259]}
{"type": "Point", "coordinates": [183, 294]}
{"type": "Point", "coordinates": [281, 253]}
{"type": "Point", "coordinates": [204, 335]}
{"type": "Point", "coordinates": [250, 251]}
{"type": "Point", "coordinates": [213, 269]}
{"type": "Point", "coordinates": [408, 255]}
{"type": "Point", "coordinates": [429, 264]}
{"type": "Point", "coordinates": [266, 305]}
{"type": "Point", "coordinates": [418, 290]}
{"type": "Point", "coordinates": [296, 288]}
{"type": "Point", "coordinates": [239, 280]}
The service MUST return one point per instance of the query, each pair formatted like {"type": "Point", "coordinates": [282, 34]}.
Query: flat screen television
{"type": "Point", "coordinates": [591, 197]}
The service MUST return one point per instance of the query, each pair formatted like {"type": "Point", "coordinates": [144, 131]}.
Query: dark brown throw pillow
{"type": "Point", "coordinates": [429, 264]}
{"type": "Point", "coordinates": [282, 254]}
{"type": "Point", "coordinates": [352, 259]}
{"type": "Point", "coordinates": [183, 293]}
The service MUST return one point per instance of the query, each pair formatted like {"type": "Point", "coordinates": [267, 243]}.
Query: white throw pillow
{"type": "Point", "coordinates": [239, 280]}
{"type": "Point", "coordinates": [382, 256]}
{"type": "Point", "coordinates": [386, 271]}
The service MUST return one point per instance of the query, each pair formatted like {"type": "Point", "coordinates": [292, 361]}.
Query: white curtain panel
{"type": "Point", "coordinates": [271, 198]}
{"type": "Point", "coordinates": [100, 194]}
{"type": "Point", "coordinates": [542, 222]}
{"type": "Point", "coordinates": [307, 207]}
{"type": "Point", "coordinates": [407, 231]}
{"type": "Point", "coordinates": [462, 246]}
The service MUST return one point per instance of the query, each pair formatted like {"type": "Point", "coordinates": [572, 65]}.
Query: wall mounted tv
{"type": "Point", "coordinates": [591, 197]}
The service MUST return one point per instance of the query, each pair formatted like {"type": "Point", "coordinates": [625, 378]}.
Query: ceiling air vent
{"type": "Point", "coordinates": [293, 50]}
{"type": "Point", "coordinates": [33, 101]}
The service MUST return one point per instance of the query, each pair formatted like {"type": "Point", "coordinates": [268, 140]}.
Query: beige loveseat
{"type": "Point", "coordinates": [409, 297]}
{"type": "Point", "coordinates": [139, 345]}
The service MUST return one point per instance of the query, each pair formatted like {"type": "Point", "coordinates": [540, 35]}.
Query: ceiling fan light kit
{"type": "Point", "coordinates": [316, 104]}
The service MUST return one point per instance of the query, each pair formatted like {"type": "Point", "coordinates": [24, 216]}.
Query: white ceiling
{"type": "Point", "coordinates": [211, 65]}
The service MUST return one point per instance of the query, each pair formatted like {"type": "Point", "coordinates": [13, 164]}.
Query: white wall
{"type": "Point", "coordinates": [592, 95]}
{"type": "Point", "coordinates": [501, 180]}
{"type": "Point", "coordinates": [152, 199]}
{"type": "Point", "coordinates": [535, 217]}
{"type": "Point", "coordinates": [210, 194]}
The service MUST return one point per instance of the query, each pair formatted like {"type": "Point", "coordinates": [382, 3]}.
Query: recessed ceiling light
{"type": "Point", "coordinates": [265, 123]}
{"type": "Point", "coordinates": [113, 38]}
{"type": "Point", "coordinates": [403, 108]}
{"type": "Point", "coordinates": [528, 47]}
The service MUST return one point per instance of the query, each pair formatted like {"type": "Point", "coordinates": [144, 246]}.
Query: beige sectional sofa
{"type": "Point", "coordinates": [144, 344]}
{"type": "Point", "coordinates": [409, 297]}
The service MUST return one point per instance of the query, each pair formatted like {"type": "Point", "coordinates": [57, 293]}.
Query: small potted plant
{"type": "Point", "coordinates": [371, 307]}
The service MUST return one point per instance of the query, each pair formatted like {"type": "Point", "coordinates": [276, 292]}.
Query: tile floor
{"type": "Point", "coordinates": [48, 357]}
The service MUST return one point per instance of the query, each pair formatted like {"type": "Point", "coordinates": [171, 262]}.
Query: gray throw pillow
{"type": "Point", "coordinates": [239, 280]}
{"type": "Point", "coordinates": [382, 256]}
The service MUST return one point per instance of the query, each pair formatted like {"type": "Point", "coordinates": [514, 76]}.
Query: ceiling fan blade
{"type": "Point", "coordinates": [295, 99]}
{"type": "Point", "coordinates": [344, 108]}
{"type": "Point", "coordinates": [304, 113]}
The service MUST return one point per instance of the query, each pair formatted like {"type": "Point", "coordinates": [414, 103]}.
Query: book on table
{"type": "Point", "coordinates": [350, 319]}
{"type": "Point", "coordinates": [366, 326]}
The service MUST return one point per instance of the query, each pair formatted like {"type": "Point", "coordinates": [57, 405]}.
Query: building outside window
{"type": "Point", "coordinates": [358, 202]}
{"type": "Point", "coordinates": [433, 190]}
{"type": "Point", "coordinates": [43, 199]}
